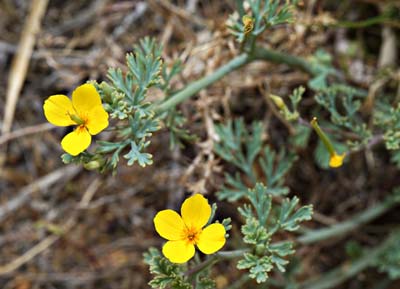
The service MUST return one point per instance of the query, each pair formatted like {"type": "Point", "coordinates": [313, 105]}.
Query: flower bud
{"type": "Point", "coordinates": [278, 101]}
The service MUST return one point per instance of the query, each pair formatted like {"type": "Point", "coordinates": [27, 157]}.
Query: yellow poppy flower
{"type": "Point", "coordinates": [85, 111]}
{"type": "Point", "coordinates": [183, 233]}
{"type": "Point", "coordinates": [336, 160]}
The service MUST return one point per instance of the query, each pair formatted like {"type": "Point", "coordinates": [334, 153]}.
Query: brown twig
{"type": "Point", "coordinates": [20, 63]}
{"type": "Point", "coordinates": [24, 195]}
{"type": "Point", "coordinates": [50, 240]}
{"type": "Point", "coordinates": [25, 131]}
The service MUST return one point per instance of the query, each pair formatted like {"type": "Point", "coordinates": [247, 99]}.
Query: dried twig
{"type": "Point", "coordinates": [50, 240]}
{"type": "Point", "coordinates": [180, 12]}
{"type": "Point", "coordinates": [23, 196]}
{"type": "Point", "coordinates": [25, 131]}
{"type": "Point", "coordinates": [81, 19]}
{"type": "Point", "coordinates": [140, 9]}
{"type": "Point", "coordinates": [21, 61]}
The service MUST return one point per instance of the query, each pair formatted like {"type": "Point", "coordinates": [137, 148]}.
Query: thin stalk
{"type": "Point", "coordinates": [240, 282]}
{"type": "Point", "coordinates": [345, 227]}
{"type": "Point", "coordinates": [223, 255]}
{"type": "Point", "coordinates": [258, 53]}
{"type": "Point", "coordinates": [327, 142]}
{"type": "Point", "coordinates": [382, 19]}
{"type": "Point", "coordinates": [198, 85]}
{"type": "Point", "coordinates": [348, 270]}
{"type": "Point", "coordinates": [261, 53]}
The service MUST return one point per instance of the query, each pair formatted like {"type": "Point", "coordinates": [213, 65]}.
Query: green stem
{"type": "Point", "coordinates": [261, 53]}
{"type": "Point", "coordinates": [198, 85]}
{"type": "Point", "coordinates": [382, 19]}
{"type": "Point", "coordinates": [346, 270]}
{"type": "Point", "coordinates": [215, 258]}
{"type": "Point", "coordinates": [258, 53]}
{"type": "Point", "coordinates": [328, 144]}
{"type": "Point", "coordinates": [343, 228]}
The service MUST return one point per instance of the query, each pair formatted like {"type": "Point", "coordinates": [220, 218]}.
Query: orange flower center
{"type": "Point", "coordinates": [192, 235]}
{"type": "Point", "coordinates": [81, 128]}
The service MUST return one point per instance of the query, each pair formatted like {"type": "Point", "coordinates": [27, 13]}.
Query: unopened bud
{"type": "Point", "coordinates": [107, 91]}
{"type": "Point", "coordinates": [278, 101]}
{"type": "Point", "coordinates": [92, 165]}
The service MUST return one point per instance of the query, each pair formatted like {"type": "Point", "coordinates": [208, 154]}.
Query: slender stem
{"type": "Point", "coordinates": [215, 258]}
{"type": "Point", "coordinates": [328, 144]}
{"type": "Point", "coordinates": [382, 19]}
{"type": "Point", "coordinates": [261, 53]}
{"type": "Point", "coordinates": [258, 53]}
{"type": "Point", "coordinates": [240, 282]}
{"type": "Point", "coordinates": [198, 85]}
{"type": "Point", "coordinates": [345, 227]}
{"type": "Point", "coordinates": [346, 270]}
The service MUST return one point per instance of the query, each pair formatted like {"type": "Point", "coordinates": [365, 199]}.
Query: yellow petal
{"type": "Point", "coordinates": [336, 160]}
{"type": "Point", "coordinates": [85, 97]}
{"type": "Point", "coordinates": [195, 212]}
{"type": "Point", "coordinates": [178, 251]}
{"type": "Point", "coordinates": [77, 141]}
{"type": "Point", "coordinates": [97, 120]}
{"type": "Point", "coordinates": [57, 110]}
{"type": "Point", "coordinates": [211, 239]}
{"type": "Point", "coordinates": [169, 225]}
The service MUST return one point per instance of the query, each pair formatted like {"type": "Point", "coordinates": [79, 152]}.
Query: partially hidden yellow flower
{"type": "Point", "coordinates": [248, 23]}
{"type": "Point", "coordinates": [85, 110]}
{"type": "Point", "coordinates": [186, 231]}
{"type": "Point", "coordinates": [336, 160]}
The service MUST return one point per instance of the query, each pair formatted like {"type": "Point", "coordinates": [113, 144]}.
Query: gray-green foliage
{"type": "Point", "coordinates": [170, 275]}
{"type": "Point", "coordinates": [246, 149]}
{"type": "Point", "coordinates": [264, 219]}
{"type": "Point", "coordinates": [166, 274]}
{"type": "Point", "coordinates": [322, 63]}
{"type": "Point", "coordinates": [265, 13]}
{"type": "Point", "coordinates": [132, 116]}
{"type": "Point", "coordinates": [343, 103]}
{"type": "Point", "coordinates": [389, 260]}
{"type": "Point", "coordinates": [295, 98]}
{"type": "Point", "coordinates": [387, 118]}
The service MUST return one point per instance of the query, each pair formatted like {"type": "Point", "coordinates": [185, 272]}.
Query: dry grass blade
{"type": "Point", "coordinates": [21, 61]}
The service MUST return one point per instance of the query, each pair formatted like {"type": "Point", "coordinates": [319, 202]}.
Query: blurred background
{"type": "Point", "coordinates": [62, 226]}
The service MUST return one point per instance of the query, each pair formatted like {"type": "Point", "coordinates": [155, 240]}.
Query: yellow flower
{"type": "Point", "coordinates": [248, 23]}
{"type": "Point", "coordinates": [85, 110]}
{"type": "Point", "coordinates": [336, 160]}
{"type": "Point", "coordinates": [183, 233]}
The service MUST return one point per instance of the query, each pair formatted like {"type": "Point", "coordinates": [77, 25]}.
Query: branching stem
{"type": "Point", "coordinates": [258, 53]}
{"type": "Point", "coordinates": [345, 227]}
{"type": "Point", "coordinates": [223, 255]}
{"type": "Point", "coordinates": [348, 270]}
{"type": "Point", "coordinates": [193, 88]}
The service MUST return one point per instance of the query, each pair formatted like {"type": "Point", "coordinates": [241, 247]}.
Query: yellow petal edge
{"type": "Point", "coordinates": [178, 251]}
{"type": "Point", "coordinates": [212, 238]}
{"type": "Point", "coordinates": [169, 225]}
{"type": "Point", "coordinates": [196, 211]}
